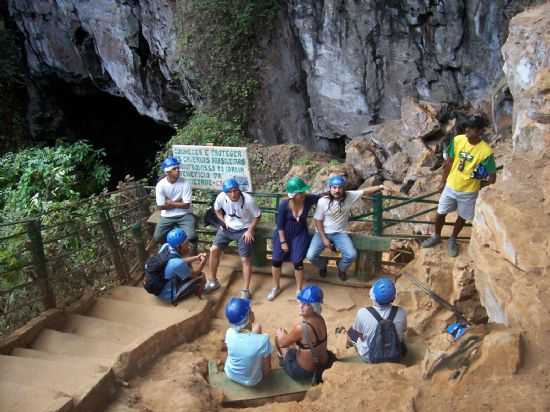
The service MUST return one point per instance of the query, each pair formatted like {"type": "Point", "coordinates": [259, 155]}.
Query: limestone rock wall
{"type": "Point", "coordinates": [329, 69]}
{"type": "Point", "coordinates": [510, 240]}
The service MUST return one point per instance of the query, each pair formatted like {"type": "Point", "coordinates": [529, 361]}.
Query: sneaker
{"type": "Point", "coordinates": [452, 247]}
{"type": "Point", "coordinates": [342, 275]}
{"type": "Point", "coordinates": [245, 294]}
{"type": "Point", "coordinates": [211, 286]}
{"type": "Point", "coordinates": [273, 294]}
{"type": "Point", "coordinates": [431, 241]}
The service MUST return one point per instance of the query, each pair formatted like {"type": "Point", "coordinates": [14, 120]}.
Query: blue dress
{"type": "Point", "coordinates": [296, 232]}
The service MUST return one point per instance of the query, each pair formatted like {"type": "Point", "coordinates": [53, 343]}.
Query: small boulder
{"type": "Point", "coordinates": [419, 119]}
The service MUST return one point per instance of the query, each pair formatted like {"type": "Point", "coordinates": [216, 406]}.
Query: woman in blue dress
{"type": "Point", "coordinates": [291, 237]}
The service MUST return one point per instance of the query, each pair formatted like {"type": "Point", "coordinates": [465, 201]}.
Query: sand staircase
{"type": "Point", "coordinates": [78, 364]}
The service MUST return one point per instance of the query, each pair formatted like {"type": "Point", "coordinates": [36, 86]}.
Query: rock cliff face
{"type": "Point", "coordinates": [329, 69]}
{"type": "Point", "coordinates": [126, 49]}
{"type": "Point", "coordinates": [510, 240]}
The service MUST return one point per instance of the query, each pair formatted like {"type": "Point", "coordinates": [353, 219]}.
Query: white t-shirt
{"type": "Point", "coordinates": [335, 218]}
{"type": "Point", "coordinates": [245, 354]}
{"type": "Point", "coordinates": [240, 214]}
{"type": "Point", "coordinates": [179, 191]}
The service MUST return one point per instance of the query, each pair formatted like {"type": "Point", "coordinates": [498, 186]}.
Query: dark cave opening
{"type": "Point", "coordinates": [130, 140]}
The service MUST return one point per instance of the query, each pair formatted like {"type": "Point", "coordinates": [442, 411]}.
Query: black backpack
{"type": "Point", "coordinates": [386, 346]}
{"type": "Point", "coordinates": [154, 279]}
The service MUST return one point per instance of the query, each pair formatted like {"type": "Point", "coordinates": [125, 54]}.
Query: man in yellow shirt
{"type": "Point", "coordinates": [469, 161]}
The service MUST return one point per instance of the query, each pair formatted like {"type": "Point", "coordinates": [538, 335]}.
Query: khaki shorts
{"type": "Point", "coordinates": [464, 202]}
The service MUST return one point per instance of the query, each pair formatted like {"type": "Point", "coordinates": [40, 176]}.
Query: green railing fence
{"type": "Point", "coordinates": [48, 261]}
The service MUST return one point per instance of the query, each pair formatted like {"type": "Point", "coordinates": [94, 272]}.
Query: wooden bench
{"type": "Point", "coordinates": [369, 253]}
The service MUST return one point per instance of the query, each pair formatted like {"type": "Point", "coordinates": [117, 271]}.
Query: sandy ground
{"type": "Point", "coordinates": [488, 377]}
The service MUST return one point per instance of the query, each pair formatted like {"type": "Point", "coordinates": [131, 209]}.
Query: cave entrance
{"type": "Point", "coordinates": [130, 140]}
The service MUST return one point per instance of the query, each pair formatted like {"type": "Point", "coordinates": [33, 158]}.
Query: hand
{"type": "Point", "coordinates": [284, 247]}
{"type": "Point", "coordinates": [280, 332]}
{"type": "Point", "coordinates": [328, 244]}
{"type": "Point", "coordinates": [202, 257]}
{"type": "Point", "coordinates": [248, 236]}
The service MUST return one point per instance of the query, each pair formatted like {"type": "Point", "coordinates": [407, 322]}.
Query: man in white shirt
{"type": "Point", "coordinates": [173, 197]}
{"type": "Point", "coordinates": [362, 333]}
{"type": "Point", "coordinates": [240, 215]}
{"type": "Point", "coordinates": [331, 219]}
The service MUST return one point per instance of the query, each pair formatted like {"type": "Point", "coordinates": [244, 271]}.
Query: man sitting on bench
{"type": "Point", "coordinates": [331, 218]}
{"type": "Point", "coordinates": [248, 349]}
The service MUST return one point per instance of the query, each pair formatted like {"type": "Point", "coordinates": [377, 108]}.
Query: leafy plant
{"type": "Point", "coordinates": [220, 40]}
{"type": "Point", "coordinates": [34, 180]}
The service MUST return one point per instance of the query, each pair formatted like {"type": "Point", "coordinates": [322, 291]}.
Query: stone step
{"type": "Point", "coordinates": [140, 316]}
{"type": "Point", "coordinates": [70, 344]}
{"type": "Point", "coordinates": [78, 381]}
{"type": "Point", "coordinates": [16, 397]}
{"type": "Point", "coordinates": [55, 357]}
{"type": "Point", "coordinates": [141, 297]}
{"type": "Point", "coordinates": [102, 329]}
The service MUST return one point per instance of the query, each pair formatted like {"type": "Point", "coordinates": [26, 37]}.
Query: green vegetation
{"type": "Point", "coordinates": [220, 40]}
{"type": "Point", "coordinates": [36, 180]}
{"type": "Point", "coordinates": [203, 129]}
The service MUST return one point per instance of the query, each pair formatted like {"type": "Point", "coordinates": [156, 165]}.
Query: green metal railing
{"type": "Point", "coordinates": [48, 261]}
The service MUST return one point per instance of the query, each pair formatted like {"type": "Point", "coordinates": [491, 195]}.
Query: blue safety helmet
{"type": "Point", "coordinates": [176, 237]}
{"type": "Point", "coordinates": [311, 294]}
{"type": "Point", "coordinates": [237, 310]}
{"type": "Point", "coordinates": [336, 181]}
{"type": "Point", "coordinates": [384, 291]}
{"type": "Point", "coordinates": [230, 184]}
{"type": "Point", "coordinates": [169, 163]}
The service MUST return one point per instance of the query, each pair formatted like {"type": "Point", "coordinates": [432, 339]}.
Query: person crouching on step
{"type": "Point", "coordinates": [311, 357]}
{"type": "Point", "coordinates": [248, 349]}
{"type": "Point", "coordinates": [179, 270]}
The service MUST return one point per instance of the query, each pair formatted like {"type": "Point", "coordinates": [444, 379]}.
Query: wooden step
{"type": "Point", "coordinates": [140, 316]}
{"type": "Point", "coordinates": [70, 344]}
{"type": "Point", "coordinates": [16, 397]}
{"type": "Point", "coordinates": [55, 357]}
{"type": "Point", "coordinates": [102, 329]}
{"type": "Point", "coordinates": [76, 381]}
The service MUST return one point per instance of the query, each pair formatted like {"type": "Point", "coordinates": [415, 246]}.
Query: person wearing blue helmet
{"type": "Point", "coordinates": [179, 269]}
{"type": "Point", "coordinates": [240, 215]}
{"type": "Point", "coordinates": [248, 349]}
{"type": "Point", "coordinates": [362, 334]}
{"type": "Point", "coordinates": [311, 357]}
{"type": "Point", "coordinates": [331, 219]}
{"type": "Point", "coordinates": [173, 196]}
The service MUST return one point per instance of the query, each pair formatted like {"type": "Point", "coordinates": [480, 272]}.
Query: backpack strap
{"type": "Point", "coordinates": [374, 314]}
{"type": "Point", "coordinates": [393, 312]}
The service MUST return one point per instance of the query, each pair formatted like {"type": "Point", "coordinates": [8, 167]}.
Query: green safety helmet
{"type": "Point", "coordinates": [296, 185]}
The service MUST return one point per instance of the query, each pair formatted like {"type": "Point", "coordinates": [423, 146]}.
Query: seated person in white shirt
{"type": "Point", "coordinates": [331, 219]}
{"type": "Point", "coordinates": [362, 335]}
{"type": "Point", "coordinates": [240, 215]}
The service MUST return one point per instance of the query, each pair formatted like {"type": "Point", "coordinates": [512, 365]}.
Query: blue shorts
{"type": "Point", "coordinates": [224, 237]}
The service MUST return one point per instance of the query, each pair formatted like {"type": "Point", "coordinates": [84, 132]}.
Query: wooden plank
{"type": "Point", "coordinates": [277, 384]}
{"type": "Point", "coordinates": [154, 218]}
